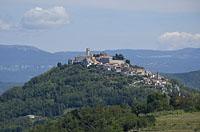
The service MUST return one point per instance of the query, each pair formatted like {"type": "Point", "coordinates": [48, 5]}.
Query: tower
{"type": "Point", "coordinates": [157, 75]}
{"type": "Point", "coordinates": [88, 52]}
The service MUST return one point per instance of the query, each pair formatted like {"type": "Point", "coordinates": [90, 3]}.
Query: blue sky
{"type": "Point", "coordinates": [71, 25]}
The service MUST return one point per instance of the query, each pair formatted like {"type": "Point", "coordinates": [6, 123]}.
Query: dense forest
{"type": "Point", "coordinates": [190, 79]}
{"type": "Point", "coordinates": [93, 89]}
{"type": "Point", "coordinates": [98, 119]}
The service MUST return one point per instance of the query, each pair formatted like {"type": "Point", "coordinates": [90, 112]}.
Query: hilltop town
{"type": "Point", "coordinates": [120, 64]}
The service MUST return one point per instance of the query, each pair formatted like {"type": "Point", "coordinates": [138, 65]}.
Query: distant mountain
{"type": "Point", "coordinates": [20, 63]}
{"type": "Point", "coordinates": [176, 61]}
{"type": "Point", "coordinates": [190, 79]}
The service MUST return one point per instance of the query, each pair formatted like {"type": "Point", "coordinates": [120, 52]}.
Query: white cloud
{"type": "Point", "coordinates": [39, 18]}
{"type": "Point", "coordinates": [4, 25]}
{"type": "Point", "coordinates": [178, 40]}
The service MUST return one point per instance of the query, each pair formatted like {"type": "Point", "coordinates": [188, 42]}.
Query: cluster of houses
{"type": "Point", "coordinates": [119, 64]}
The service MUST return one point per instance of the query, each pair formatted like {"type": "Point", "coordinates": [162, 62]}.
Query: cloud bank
{"type": "Point", "coordinates": [179, 40]}
{"type": "Point", "coordinates": [39, 18]}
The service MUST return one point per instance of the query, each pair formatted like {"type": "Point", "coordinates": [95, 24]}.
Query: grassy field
{"type": "Point", "coordinates": [176, 121]}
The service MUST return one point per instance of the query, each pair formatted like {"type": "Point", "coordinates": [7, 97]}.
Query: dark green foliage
{"type": "Point", "coordinates": [59, 64]}
{"type": "Point", "coordinates": [98, 119]}
{"type": "Point", "coordinates": [188, 103]}
{"type": "Point", "coordinates": [139, 107]}
{"type": "Point", "coordinates": [157, 102]}
{"type": "Point", "coordinates": [75, 86]}
{"type": "Point", "coordinates": [20, 124]}
{"type": "Point", "coordinates": [190, 79]}
{"type": "Point", "coordinates": [128, 61]}
{"type": "Point", "coordinates": [118, 57]}
{"type": "Point", "coordinates": [70, 86]}
{"type": "Point", "coordinates": [188, 99]}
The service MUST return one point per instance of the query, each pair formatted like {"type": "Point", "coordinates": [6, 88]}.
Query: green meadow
{"type": "Point", "coordinates": [176, 121]}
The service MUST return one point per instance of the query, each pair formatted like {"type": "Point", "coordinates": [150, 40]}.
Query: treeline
{"type": "Point", "coordinates": [70, 86]}
{"type": "Point", "coordinates": [107, 118]}
{"type": "Point", "coordinates": [74, 86]}
{"type": "Point", "coordinates": [112, 118]}
{"type": "Point", "coordinates": [190, 79]}
{"type": "Point", "coordinates": [98, 119]}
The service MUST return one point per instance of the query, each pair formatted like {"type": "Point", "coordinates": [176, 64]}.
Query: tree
{"type": "Point", "coordinates": [59, 64]}
{"type": "Point", "coordinates": [157, 102]}
{"type": "Point", "coordinates": [118, 57]}
{"type": "Point", "coordinates": [128, 61]}
{"type": "Point", "coordinates": [138, 108]}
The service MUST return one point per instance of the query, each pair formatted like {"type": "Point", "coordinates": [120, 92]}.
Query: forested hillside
{"type": "Point", "coordinates": [69, 87]}
{"type": "Point", "coordinates": [190, 79]}
{"type": "Point", "coordinates": [107, 119]}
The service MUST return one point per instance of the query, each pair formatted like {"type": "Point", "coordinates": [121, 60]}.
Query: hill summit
{"type": "Point", "coordinates": [21, 63]}
{"type": "Point", "coordinates": [118, 63]}
{"type": "Point", "coordinates": [82, 83]}
{"type": "Point", "coordinates": [86, 81]}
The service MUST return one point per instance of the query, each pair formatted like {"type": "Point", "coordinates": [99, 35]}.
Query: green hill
{"type": "Point", "coordinates": [73, 86]}
{"type": "Point", "coordinates": [70, 86]}
{"type": "Point", "coordinates": [190, 79]}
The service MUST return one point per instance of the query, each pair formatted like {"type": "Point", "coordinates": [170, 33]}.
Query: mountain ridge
{"type": "Point", "coordinates": [190, 79]}
{"type": "Point", "coordinates": [19, 65]}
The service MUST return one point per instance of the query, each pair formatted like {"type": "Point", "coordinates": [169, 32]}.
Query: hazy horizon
{"type": "Point", "coordinates": [94, 50]}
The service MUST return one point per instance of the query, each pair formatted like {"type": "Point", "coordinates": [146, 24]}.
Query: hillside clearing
{"type": "Point", "coordinates": [177, 121]}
